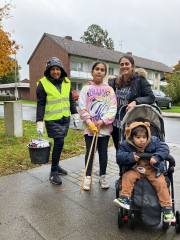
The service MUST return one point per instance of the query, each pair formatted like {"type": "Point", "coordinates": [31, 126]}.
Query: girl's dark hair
{"type": "Point", "coordinates": [119, 79]}
{"type": "Point", "coordinates": [99, 62]}
{"type": "Point", "coordinates": [137, 129]}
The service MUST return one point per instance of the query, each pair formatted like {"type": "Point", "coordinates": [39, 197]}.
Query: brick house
{"type": "Point", "coordinates": [78, 58]}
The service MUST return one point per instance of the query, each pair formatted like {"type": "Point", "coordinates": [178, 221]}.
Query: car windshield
{"type": "Point", "coordinates": [156, 92]}
{"type": "Point", "coordinates": [78, 92]}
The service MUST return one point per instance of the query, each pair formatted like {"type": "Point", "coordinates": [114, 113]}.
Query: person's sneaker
{"type": "Point", "coordinates": [61, 171]}
{"type": "Point", "coordinates": [86, 185]}
{"type": "Point", "coordinates": [168, 215]}
{"type": "Point", "coordinates": [123, 202]}
{"type": "Point", "coordinates": [103, 181]}
{"type": "Point", "coordinates": [54, 177]}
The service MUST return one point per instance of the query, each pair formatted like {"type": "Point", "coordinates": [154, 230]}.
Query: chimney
{"type": "Point", "coordinates": [97, 44]}
{"type": "Point", "coordinates": [68, 37]}
{"type": "Point", "coordinates": [129, 53]}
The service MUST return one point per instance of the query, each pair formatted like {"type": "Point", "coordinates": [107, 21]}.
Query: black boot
{"type": "Point", "coordinates": [61, 171]}
{"type": "Point", "coordinates": [54, 177]}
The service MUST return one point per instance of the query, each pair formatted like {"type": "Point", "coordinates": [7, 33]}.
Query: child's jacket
{"type": "Point", "coordinates": [160, 149]}
{"type": "Point", "coordinates": [97, 102]}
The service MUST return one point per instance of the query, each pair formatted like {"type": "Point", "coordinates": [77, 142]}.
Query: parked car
{"type": "Point", "coordinates": [162, 100]}
{"type": "Point", "coordinates": [76, 95]}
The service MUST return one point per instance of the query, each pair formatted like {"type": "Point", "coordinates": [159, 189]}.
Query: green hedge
{"type": "Point", "coordinates": [7, 98]}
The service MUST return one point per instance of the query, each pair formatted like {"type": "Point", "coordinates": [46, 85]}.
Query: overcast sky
{"type": "Point", "coordinates": [148, 28]}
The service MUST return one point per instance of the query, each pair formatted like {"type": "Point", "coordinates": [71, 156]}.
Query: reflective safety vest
{"type": "Point", "coordinates": [57, 104]}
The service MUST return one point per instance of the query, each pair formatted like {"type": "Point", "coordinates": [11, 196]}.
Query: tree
{"type": "Point", "coordinates": [95, 34]}
{"type": "Point", "coordinates": [7, 46]}
{"type": "Point", "coordinates": [173, 87]}
{"type": "Point", "coordinates": [176, 68]}
{"type": "Point", "coordinates": [10, 77]}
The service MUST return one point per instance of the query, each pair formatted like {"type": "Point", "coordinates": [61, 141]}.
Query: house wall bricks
{"type": "Point", "coordinates": [37, 65]}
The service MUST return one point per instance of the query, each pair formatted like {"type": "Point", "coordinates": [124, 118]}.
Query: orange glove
{"type": "Point", "coordinates": [92, 128]}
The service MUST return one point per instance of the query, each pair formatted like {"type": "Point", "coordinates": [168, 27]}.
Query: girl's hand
{"type": "Point", "coordinates": [153, 160]}
{"type": "Point", "coordinates": [132, 104]}
{"type": "Point", "coordinates": [99, 124]}
{"type": "Point", "coordinates": [136, 157]}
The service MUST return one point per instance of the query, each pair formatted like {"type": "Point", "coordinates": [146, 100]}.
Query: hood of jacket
{"type": "Point", "coordinates": [54, 62]}
{"type": "Point", "coordinates": [128, 131]}
{"type": "Point", "coordinates": [141, 72]}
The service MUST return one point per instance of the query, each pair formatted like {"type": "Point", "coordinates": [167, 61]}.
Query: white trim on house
{"type": "Point", "coordinates": [12, 85]}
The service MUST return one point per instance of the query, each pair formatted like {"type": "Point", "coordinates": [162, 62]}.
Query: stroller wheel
{"type": "Point", "coordinates": [117, 190]}
{"type": "Point", "coordinates": [165, 225]}
{"type": "Point", "coordinates": [120, 217]}
{"type": "Point", "coordinates": [177, 222]}
{"type": "Point", "coordinates": [132, 220]}
{"type": "Point", "coordinates": [117, 186]}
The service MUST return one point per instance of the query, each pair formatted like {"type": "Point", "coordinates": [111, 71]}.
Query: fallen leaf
{"type": "Point", "coordinates": [63, 189]}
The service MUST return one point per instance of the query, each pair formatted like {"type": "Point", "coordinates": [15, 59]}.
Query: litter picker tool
{"type": "Point", "coordinates": [87, 162]}
{"type": "Point", "coordinates": [93, 162]}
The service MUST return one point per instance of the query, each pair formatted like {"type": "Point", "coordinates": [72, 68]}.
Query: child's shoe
{"type": "Point", "coordinates": [168, 214]}
{"type": "Point", "coordinates": [54, 177]}
{"type": "Point", "coordinates": [123, 202]}
{"type": "Point", "coordinates": [86, 185]}
{"type": "Point", "coordinates": [103, 181]}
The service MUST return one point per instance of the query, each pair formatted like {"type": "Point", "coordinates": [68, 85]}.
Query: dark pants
{"type": "Point", "coordinates": [102, 145]}
{"type": "Point", "coordinates": [57, 149]}
{"type": "Point", "coordinates": [115, 137]}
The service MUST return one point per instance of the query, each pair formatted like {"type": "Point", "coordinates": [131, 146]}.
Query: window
{"type": "Point", "coordinates": [76, 66]}
{"type": "Point", "coordinates": [73, 86]}
{"type": "Point", "coordinates": [111, 71]}
{"type": "Point", "coordinates": [79, 66]}
{"type": "Point", "coordinates": [79, 86]}
{"type": "Point", "coordinates": [150, 76]}
{"type": "Point", "coordinates": [156, 76]}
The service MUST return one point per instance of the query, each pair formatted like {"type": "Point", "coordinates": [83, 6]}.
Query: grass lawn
{"type": "Point", "coordinates": [174, 109]}
{"type": "Point", "coordinates": [25, 102]}
{"type": "Point", "coordinates": [15, 153]}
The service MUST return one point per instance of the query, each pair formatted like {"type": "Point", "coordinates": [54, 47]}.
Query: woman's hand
{"type": "Point", "coordinates": [99, 124]}
{"type": "Point", "coordinates": [132, 104]}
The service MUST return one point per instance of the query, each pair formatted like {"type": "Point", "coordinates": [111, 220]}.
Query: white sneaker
{"type": "Point", "coordinates": [103, 181]}
{"type": "Point", "coordinates": [86, 185]}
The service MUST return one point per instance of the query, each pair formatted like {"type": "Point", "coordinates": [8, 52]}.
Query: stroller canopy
{"type": "Point", "coordinates": [144, 113]}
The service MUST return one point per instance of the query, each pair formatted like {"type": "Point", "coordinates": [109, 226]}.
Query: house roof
{"type": "Point", "coordinates": [91, 51]}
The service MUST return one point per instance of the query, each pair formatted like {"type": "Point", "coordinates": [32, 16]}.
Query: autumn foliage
{"type": "Point", "coordinates": [7, 46]}
{"type": "Point", "coordinates": [176, 68]}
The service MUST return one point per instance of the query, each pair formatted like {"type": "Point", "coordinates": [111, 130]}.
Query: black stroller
{"type": "Point", "coordinates": [144, 197]}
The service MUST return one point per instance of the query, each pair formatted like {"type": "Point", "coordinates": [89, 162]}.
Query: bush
{"type": "Point", "coordinates": [7, 98]}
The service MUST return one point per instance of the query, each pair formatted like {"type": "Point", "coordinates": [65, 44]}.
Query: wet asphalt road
{"type": "Point", "coordinates": [172, 125]}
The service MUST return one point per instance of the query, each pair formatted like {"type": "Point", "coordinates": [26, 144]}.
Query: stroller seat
{"type": "Point", "coordinates": [144, 197]}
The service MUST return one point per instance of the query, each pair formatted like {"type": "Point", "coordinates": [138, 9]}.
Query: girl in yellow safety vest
{"type": "Point", "coordinates": [54, 105]}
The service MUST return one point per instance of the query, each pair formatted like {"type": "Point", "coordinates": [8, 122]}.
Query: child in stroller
{"type": "Point", "coordinates": [144, 198]}
{"type": "Point", "coordinates": [138, 139]}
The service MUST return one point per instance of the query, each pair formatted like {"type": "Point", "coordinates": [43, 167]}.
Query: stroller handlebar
{"type": "Point", "coordinates": [148, 156]}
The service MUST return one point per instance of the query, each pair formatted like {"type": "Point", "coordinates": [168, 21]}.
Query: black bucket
{"type": "Point", "coordinates": [39, 155]}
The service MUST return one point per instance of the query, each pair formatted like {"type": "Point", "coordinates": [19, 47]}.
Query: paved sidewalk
{"type": "Point", "coordinates": [31, 207]}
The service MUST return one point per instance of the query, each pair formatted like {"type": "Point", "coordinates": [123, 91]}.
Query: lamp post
{"type": "Point", "coordinates": [16, 93]}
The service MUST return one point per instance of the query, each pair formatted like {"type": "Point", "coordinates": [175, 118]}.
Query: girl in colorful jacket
{"type": "Point", "coordinates": [98, 106]}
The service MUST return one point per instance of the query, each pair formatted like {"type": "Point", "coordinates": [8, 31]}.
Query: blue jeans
{"type": "Point", "coordinates": [102, 146]}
